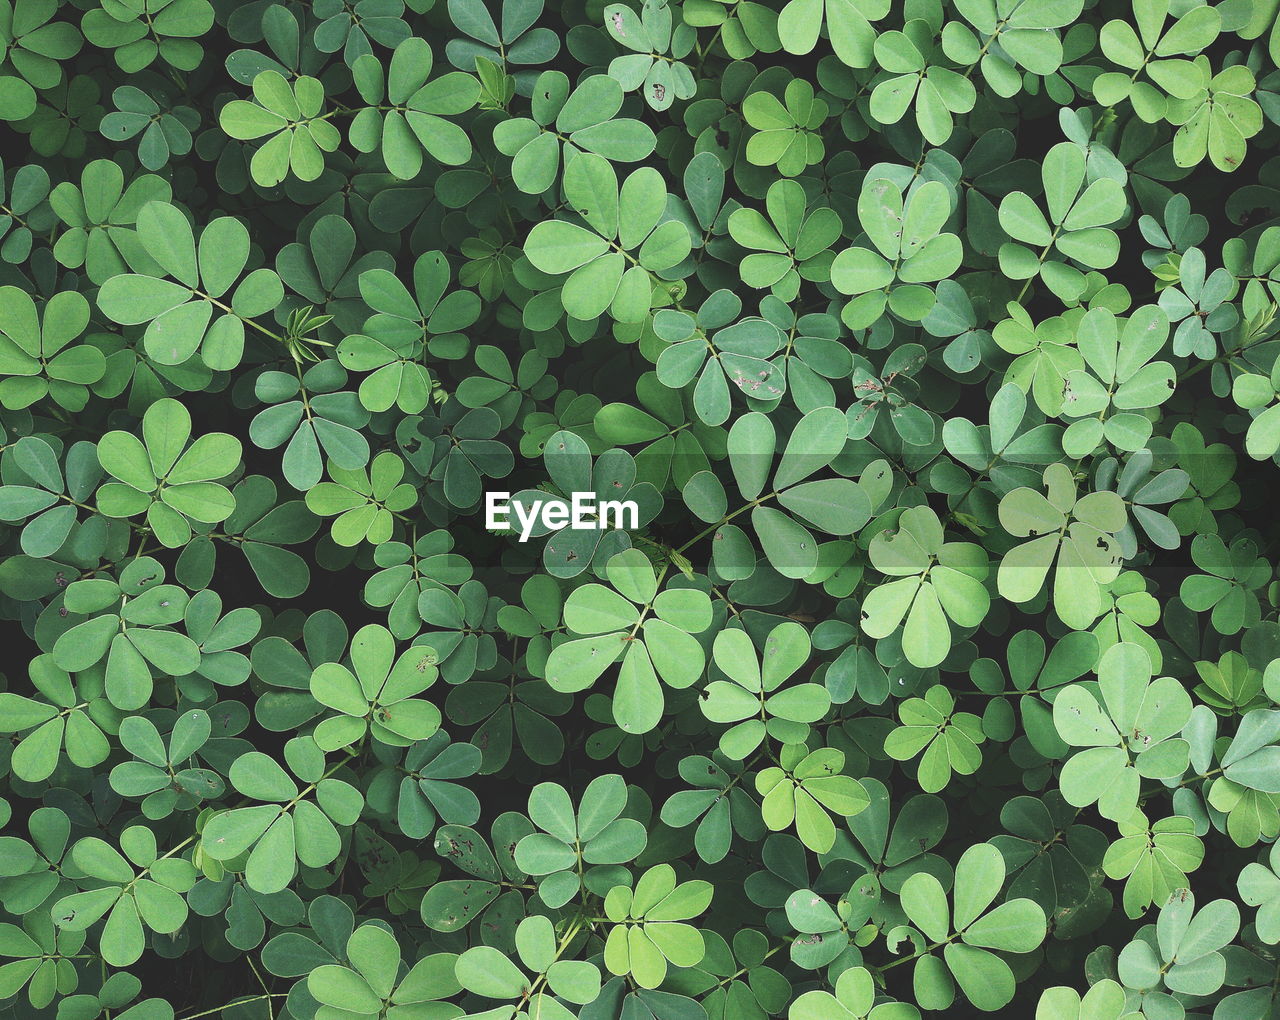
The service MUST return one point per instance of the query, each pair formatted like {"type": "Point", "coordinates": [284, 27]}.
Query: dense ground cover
{"type": "Point", "coordinates": [935, 346]}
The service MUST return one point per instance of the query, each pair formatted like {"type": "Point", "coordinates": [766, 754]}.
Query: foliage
{"type": "Point", "coordinates": [937, 346]}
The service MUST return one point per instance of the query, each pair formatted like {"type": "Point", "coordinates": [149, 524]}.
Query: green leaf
{"type": "Point", "coordinates": [487, 972]}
